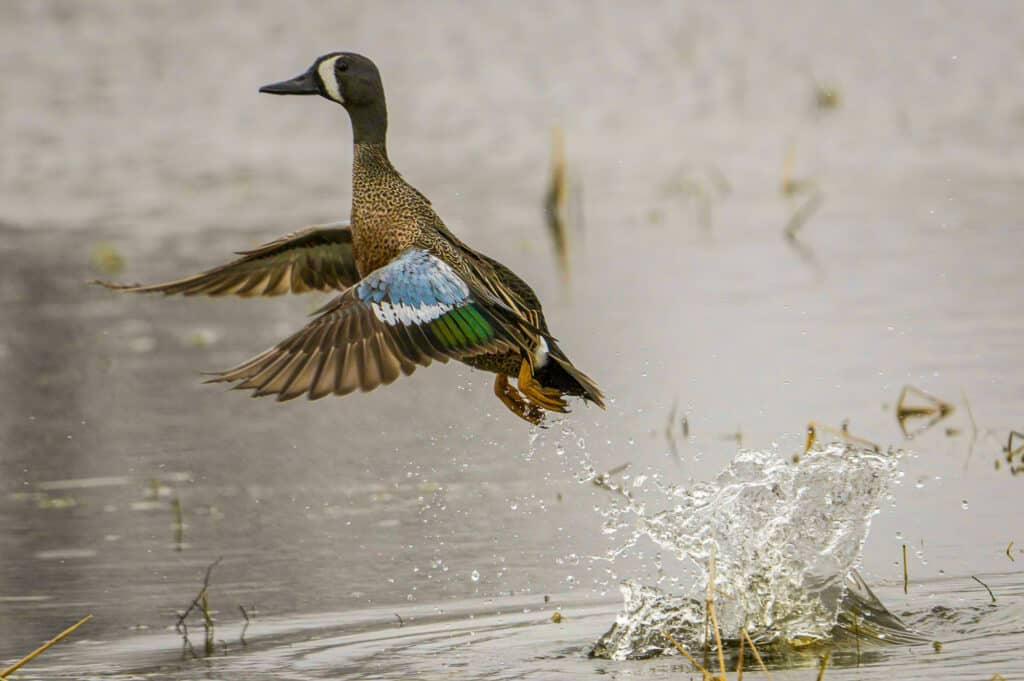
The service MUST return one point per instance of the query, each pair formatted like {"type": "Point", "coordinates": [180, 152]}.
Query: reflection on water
{"type": "Point", "coordinates": [140, 127]}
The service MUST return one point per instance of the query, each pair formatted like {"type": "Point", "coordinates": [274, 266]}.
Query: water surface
{"type": "Point", "coordinates": [141, 127]}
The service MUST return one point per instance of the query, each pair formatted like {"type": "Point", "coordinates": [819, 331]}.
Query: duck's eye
{"type": "Point", "coordinates": [342, 66]}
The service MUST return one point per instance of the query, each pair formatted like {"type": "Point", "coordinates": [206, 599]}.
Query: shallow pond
{"type": "Point", "coordinates": [421, 530]}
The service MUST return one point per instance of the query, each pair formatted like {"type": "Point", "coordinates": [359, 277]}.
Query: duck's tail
{"type": "Point", "coordinates": [558, 372]}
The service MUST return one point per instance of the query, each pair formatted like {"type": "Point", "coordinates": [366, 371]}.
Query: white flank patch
{"type": "Point", "coordinates": [327, 77]}
{"type": "Point", "coordinates": [393, 314]}
{"type": "Point", "coordinates": [540, 355]}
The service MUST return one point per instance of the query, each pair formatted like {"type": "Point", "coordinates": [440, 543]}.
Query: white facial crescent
{"type": "Point", "coordinates": [327, 77]}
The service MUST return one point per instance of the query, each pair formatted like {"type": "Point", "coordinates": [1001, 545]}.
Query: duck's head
{"type": "Point", "coordinates": [348, 79]}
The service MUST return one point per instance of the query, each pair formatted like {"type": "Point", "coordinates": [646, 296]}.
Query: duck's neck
{"type": "Point", "coordinates": [370, 162]}
{"type": "Point", "coordinates": [369, 122]}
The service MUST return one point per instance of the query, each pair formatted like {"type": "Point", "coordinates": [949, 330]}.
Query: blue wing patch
{"type": "Point", "coordinates": [419, 289]}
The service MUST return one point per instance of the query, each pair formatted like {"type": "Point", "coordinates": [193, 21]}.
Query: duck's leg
{"type": "Point", "coordinates": [511, 398]}
{"type": "Point", "coordinates": [547, 398]}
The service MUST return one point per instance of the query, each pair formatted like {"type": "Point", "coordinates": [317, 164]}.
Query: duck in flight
{"type": "Point", "coordinates": [410, 290]}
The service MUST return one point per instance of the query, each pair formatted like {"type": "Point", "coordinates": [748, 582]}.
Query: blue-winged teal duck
{"type": "Point", "coordinates": [411, 291]}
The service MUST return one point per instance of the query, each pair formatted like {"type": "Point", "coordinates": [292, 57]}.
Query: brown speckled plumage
{"type": "Point", "coordinates": [411, 292]}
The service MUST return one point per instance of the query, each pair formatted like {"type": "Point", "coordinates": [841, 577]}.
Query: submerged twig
{"type": "Point", "coordinates": [43, 648]}
{"type": "Point", "coordinates": [991, 595]}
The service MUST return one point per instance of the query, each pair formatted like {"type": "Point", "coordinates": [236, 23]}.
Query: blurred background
{"type": "Point", "coordinates": [778, 213]}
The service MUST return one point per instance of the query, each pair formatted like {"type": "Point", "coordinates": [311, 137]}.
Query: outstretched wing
{"type": "Point", "coordinates": [413, 310]}
{"type": "Point", "coordinates": [315, 259]}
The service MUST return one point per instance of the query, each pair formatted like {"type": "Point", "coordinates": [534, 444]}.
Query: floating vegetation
{"type": "Point", "coordinates": [556, 617]}
{"type": "Point", "coordinates": [827, 97]}
{"type": "Point", "coordinates": [179, 524]}
{"type": "Point", "coordinates": [792, 188]}
{"type": "Point", "coordinates": [790, 185]}
{"type": "Point", "coordinates": [704, 186]}
{"type": "Point", "coordinates": [932, 411]}
{"type": "Point", "coordinates": [43, 648]}
{"type": "Point", "coordinates": [106, 259]}
{"type": "Point", "coordinates": [802, 214]}
{"type": "Point", "coordinates": [670, 428]}
{"type": "Point", "coordinates": [1009, 548]}
{"type": "Point", "coordinates": [201, 605]}
{"type": "Point", "coordinates": [556, 202]}
{"type": "Point", "coordinates": [974, 428]}
{"type": "Point", "coordinates": [843, 432]}
{"type": "Point", "coordinates": [736, 437]}
{"type": "Point", "coordinates": [1014, 457]}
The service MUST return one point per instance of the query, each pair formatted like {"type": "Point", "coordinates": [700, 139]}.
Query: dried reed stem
{"type": "Point", "coordinates": [906, 577]}
{"type": "Point", "coordinates": [682, 650]}
{"type": "Point", "coordinates": [43, 648]}
{"type": "Point", "coordinates": [757, 655]}
{"type": "Point", "coordinates": [824, 663]}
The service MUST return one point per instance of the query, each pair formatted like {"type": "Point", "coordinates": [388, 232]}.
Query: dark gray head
{"type": "Point", "coordinates": [349, 79]}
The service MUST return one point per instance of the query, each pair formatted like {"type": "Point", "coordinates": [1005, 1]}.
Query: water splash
{"type": "Point", "coordinates": [784, 538]}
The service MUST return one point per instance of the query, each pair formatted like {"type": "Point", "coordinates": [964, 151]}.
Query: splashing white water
{"type": "Point", "coordinates": [785, 538]}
